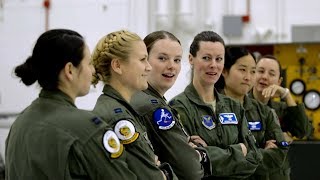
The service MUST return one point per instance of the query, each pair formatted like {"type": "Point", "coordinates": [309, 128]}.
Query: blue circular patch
{"type": "Point", "coordinates": [163, 118]}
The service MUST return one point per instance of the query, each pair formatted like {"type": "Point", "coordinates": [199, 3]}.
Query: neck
{"type": "Point", "coordinates": [233, 95]}
{"type": "Point", "coordinates": [205, 92]}
{"type": "Point", "coordinates": [124, 91]}
{"type": "Point", "coordinates": [258, 96]}
{"type": "Point", "coordinates": [68, 92]}
{"type": "Point", "coordinates": [161, 92]}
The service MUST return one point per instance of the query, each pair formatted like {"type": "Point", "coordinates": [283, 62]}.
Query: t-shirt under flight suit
{"type": "Point", "coordinates": [52, 139]}
{"type": "Point", "coordinates": [222, 130]}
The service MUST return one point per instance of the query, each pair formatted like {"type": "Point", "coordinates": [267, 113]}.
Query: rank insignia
{"type": "Point", "coordinates": [163, 118]}
{"type": "Point", "coordinates": [208, 122]}
{"type": "Point", "coordinates": [126, 131]}
{"type": "Point", "coordinates": [255, 126]}
{"type": "Point", "coordinates": [228, 118]}
{"type": "Point", "coordinates": [112, 144]}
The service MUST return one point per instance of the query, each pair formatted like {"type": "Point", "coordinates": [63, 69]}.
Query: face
{"type": "Point", "coordinates": [136, 68]}
{"type": "Point", "coordinates": [165, 59]}
{"type": "Point", "coordinates": [208, 63]}
{"type": "Point", "coordinates": [240, 77]}
{"type": "Point", "coordinates": [267, 74]}
{"type": "Point", "coordinates": [84, 74]}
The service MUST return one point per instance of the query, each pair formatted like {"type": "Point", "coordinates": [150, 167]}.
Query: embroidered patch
{"type": "Point", "coordinates": [163, 118]}
{"type": "Point", "coordinates": [255, 126]}
{"type": "Point", "coordinates": [126, 131]}
{"type": "Point", "coordinates": [208, 122]}
{"type": "Point", "coordinates": [228, 118]}
{"type": "Point", "coordinates": [112, 144]}
{"type": "Point", "coordinates": [118, 110]}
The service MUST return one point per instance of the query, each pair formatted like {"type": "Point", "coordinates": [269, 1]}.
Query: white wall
{"type": "Point", "coordinates": [22, 21]}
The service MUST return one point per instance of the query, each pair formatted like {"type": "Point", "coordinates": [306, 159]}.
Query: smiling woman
{"type": "Point", "coordinates": [120, 59]}
{"type": "Point", "coordinates": [167, 135]}
{"type": "Point", "coordinates": [213, 120]}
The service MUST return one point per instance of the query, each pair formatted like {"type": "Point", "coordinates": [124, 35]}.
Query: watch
{"type": "Point", "coordinates": [311, 99]}
{"type": "Point", "coordinates": [297, 87]}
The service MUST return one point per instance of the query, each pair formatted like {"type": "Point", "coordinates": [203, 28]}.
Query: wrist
{"type": "Point", "coordinates": [285, 94]}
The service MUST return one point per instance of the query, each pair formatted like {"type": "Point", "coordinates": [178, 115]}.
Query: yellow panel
{"type": "Point", "coordinates": [289, 55]}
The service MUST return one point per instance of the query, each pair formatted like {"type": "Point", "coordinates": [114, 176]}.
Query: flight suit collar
{"type": "Point", "coordinates": [111, 92]}
{"type": "Point", "coordinates": [193, 96]}
{"type": "Point", "coordinates": [57, 95]}
{"type": "Point", "coordinates": [247, 103]}
{"type": "Point", "coordinates": [151, 91]}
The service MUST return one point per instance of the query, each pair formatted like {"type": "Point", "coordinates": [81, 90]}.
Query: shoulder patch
{"type": "Point", "coordinates": [255, 125]}
{"type": "Point", "coordinates": [163, 118]}
{"type": "Point", "coordinates": [112, 144]}
{"type": "Point", "coordinates": [228, 118]}
{"type": "Point", "coordinates": [207, 121]}
{"type": "Point", "coordinates": [126, 131]}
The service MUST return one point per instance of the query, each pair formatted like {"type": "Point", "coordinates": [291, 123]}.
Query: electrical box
{"type": "Point", "coordinates": [232, 26]}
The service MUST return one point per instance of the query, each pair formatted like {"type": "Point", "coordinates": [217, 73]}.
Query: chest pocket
{"type": "Point", "coordinates": [229, 128]}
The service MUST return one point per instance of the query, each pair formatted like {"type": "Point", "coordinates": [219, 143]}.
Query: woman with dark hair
{"type": "Point", "coordinates": [51, 138]}
{"type": "Point", "coordinates": [215, 121]}
{"type": "Point", "coordinates": [237, 80]}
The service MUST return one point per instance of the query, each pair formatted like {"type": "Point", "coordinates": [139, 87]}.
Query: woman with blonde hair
{"type": "Point", "coordinates": [121, 62]}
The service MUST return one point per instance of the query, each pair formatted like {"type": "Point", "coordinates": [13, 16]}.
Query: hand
{"type": "Point", "coordinates": [273, 91]}
{"type": "Point", "coordinates": [244, 149]}
{"type": "Point", "coordinates": [270, 144]}
{"type": "Point", "coordinates": [164, 176]}
{"type": "Point", "coordinates": [156, 160]}
{"type": "Point", "coordinates": [200, 157]}
{"type": "Point", "coordinates": [197, 139]}
{"type": "Point", "coordinates": [287, 137]}
{"type": "Point", "coordinates": [192, 144]}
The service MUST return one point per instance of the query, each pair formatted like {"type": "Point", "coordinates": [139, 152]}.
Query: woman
{"type": "Point", "coordinates": [292, 116]}
{"type": "Point", "coordinates": [217, 120]}
{"type": "Point", "coordinates": [52, 139]}
{"type": "Point", "coordinates": [121, 62]}
{"type": "Point", "coordinates": [165, 131]}
{"type": "Point", "coordinates": [237, 80]}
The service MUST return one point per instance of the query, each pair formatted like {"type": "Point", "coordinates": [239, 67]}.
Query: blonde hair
{"type": "Point", "coordinates": [115, 45]}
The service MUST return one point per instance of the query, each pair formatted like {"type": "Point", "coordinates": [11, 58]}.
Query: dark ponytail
{"type": "Point", "coordinates": [26, 72]}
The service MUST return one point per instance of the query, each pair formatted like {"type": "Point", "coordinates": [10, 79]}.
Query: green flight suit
{"type": "Point", "coordinates": [52, 139]}
{"type": "Point", "coordinates": [264, 126]}
{"type": "Point", "coordinates": [221, 136]}
{"type": "Point", "coordinates": [167, 134]}
{"type": "Point", "coordinates": [292, 119]}
{"type": "Point", "coordinates": [140, 156]}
